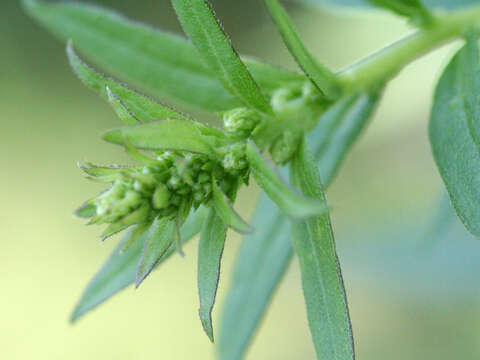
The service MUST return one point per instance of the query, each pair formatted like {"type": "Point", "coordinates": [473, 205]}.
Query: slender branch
{"type": "Point", "coordinates": [386, 63]}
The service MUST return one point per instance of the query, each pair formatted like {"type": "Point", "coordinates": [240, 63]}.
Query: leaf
{"type": "Point", "coordinates": [227, 213]}
{"type": "Point", "coordinates": [136, 234]}
{"type": "Point", "coordinates": [265, 255]}
{"type": "Point", "coordinates": [87, 210]}
{"type": "Point", "coordinates": [160, 236]}
{"type": "Point", "coordinates": [261, 263]}
{"type": "Point", "coordinates": [412, 9]}
{"type": "Point", "coordinates": [319, 74]}
{"type": "Point", "coordinates": [164, 65]}
{"type": "Point", "coordinates": [123, 113]}
{"type": "Point", "coordinates": [453, 144]}
{"type": "Point", "coordinates": [120, 269]}
{"type": "Point", "coordinates": [169, 134]}
{"type": "Point", "coordinates": [447, 4]}
{"type": "Point", "coordinates": [207, 35]}
{"type": "Point", "coordinates": [210, 250]}
{"type": "Point", "coordinates": [133, 218]}
{"type": "Point", "coordinates": [138, 105]}
{"type": "Point", "coordinates": [322, 281]}
{"type": "Point", "coordinates": [339, 128]}
{"type": "Point", "coordinates": [471, 85]}
{"type": "Point", "coordinates": [287, 199]}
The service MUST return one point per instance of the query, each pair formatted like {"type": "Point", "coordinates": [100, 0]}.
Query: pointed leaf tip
{"type": "Point", "coordinates": [225, 210]}
{"type": "Point", "coordinates": [210, 250]}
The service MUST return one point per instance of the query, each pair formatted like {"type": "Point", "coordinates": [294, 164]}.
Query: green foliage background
{"type": "Point", "coordinates": [413, 291]}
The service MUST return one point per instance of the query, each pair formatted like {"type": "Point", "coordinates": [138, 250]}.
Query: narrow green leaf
{"type": "Point", "coordinates": [124, 114]}
{"type": "Point", "coordinates": [139, 105]}
{"type": "Point", "coordinates": [453, 144]}
{"type": "Point", "coordinates": [120, 270]}
{"type": "Point", "coordinates": [87, 210]}
{"type": "Point", "coordinates": [136, 234]}
{"type": "Point", "coordinates": [210, 250]}
{"type": "Point", "coordinates": [227, 213]}
{"type": "Point", "coordinates": [164, 65]}
{"type": "Point", "coordinates": [319, 74]}
{"type": "Point", "coordinates": [265, 255]}
{"type": "Point", "coordinates": [135, 217]}
{"type": "Point", "coordinates": [338, 129]}
{"type": "Point", "coordinates": [261, 263]}
{"type": "Point", "coordinates": [290, 202]}
{"type": "Point", "coordinates": [412, 9]}
{"type": "Point", "coordinates": [169, 134]}
{"type": "Point", "coordinates": [207, 35]}
{"type": "Point", "coordinates": [322, 281]}
{"type": "Point", "coordinates": [160, 236]}
{"type": "Point", "coordinates": [101, 171]}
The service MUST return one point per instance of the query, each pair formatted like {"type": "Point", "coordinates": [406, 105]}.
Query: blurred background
{"type": "Point", "coordinates": [409, 267]}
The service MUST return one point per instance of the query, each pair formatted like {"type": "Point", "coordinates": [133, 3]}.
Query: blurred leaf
{"type": "Point", "coordinates": [290, 202]}
{"type": "Point", "coordinates": [163, 64]}
{"type": "Point", "coordinates": [169, 134]}
{"type": "Point", "coordinates": [87, 210]}
{"type": "Point", "coordinates": [338, 129]}
{"type": "Point", "coordinates": [160, 236]}
{"type": "Point", "coordinates": [261, 263]}
{"type": "Point", "coordinates": [453, 145]}
{"type": "Point", "coordinates": [471, 86]}
{"type": "Point", "coordinates": [210, 250]}
{"type": "Point", "coordinates": [323, 287]}
{"type": "Point", "coordinates": [265, 255]}
{"type": "Point", "coordinates": [143, 108]}
{"type": "Point", "coordinates": [226, 211]}
{"type": "Point", "coordinates": [448, 4]}
{"type": "Point", "coordinates": [120, 269]}
{"type": "Point", "coordinates": [412, 9]}
{"type": "Point", "coordinates": [320, 75]}
{"type": "Point", "coordinates": [207, 35]}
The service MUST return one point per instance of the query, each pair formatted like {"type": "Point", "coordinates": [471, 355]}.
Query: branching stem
{"type": "Point", "coordinates": [386, 63]}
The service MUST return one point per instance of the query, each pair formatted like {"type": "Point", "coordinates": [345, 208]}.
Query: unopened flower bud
{"type": "Point", "coordinates": [160, 197]}
{"type": "Point", "coordinates": [240, 122]}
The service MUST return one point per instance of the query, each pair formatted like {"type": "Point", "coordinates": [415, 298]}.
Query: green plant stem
{"type": "Point", "coordinates": [386, 63]}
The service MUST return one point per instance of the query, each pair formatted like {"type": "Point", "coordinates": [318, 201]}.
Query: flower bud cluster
{"type": "Point", "coordinates": [168, 185]}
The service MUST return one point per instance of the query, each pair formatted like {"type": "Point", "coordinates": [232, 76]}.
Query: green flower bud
{"type": "Point", "coordinates": [240, 122]}
{"type": "Point", "coordinates": [161, 196]}
{"type": "Point", "coordinates": [286, 97]}
{"type": "Point", "coordinates": [174, 182]}
{"type": "Point", "coordinates": [235, 159]}
{"type": "Point", "coordinates": [131, 201]}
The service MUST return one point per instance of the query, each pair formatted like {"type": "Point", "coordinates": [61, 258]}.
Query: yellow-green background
{"type": "Point", "coordinates": [412, 296]}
